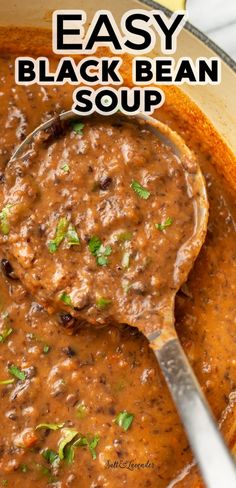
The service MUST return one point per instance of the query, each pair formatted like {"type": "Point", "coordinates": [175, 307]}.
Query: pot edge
{"type": "Point", "coordinates": [197, 33]}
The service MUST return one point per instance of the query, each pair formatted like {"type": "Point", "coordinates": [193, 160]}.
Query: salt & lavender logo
{"type": "Point", "coordinates": [129, 464]}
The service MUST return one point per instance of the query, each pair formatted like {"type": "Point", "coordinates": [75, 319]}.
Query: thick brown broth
{"type": "Point", "coordinates": [96, 215]}
{"type": "Point", "coordinates": [110, 370]}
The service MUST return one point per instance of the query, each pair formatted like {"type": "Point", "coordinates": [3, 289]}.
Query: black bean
{"type": "Point", "coordinates": [8, 269]}
{"type": "Point", "coordinates": [103, 379]}
{"type": "Point", "coordinates": [117, 125]}
{"type": "Point", "coordinates": [30, 372]}
{"type": "Point", "coordinates": [36, 307]}
{"type": "Point", "coordinates": [20, 386]}
{"type": "Point", "coordinates": [72, 399]}
{"type": "Point", "coordinates": [56, 129]}
{"type": "Point", "coordinates": [69, 351]}
{"type": "Point", "coordinates": [12, 416]}
{"type": "Point", "coordinates": [112, 410]}
{"type": "Point", "coordinates": [87, 238]}
{"type": "Point", "coordinates": [66, 319]}
{"type": "Point", "coordinates": [41, 229]}
{"type": "Point", "coordinates": [105, 183]}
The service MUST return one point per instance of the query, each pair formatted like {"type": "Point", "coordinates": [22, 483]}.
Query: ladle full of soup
{"type": "Point", "coordinates": [102, 219]}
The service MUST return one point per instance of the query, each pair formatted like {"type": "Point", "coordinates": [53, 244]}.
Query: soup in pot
{"type": "Point", "coordinates": [86, 406]}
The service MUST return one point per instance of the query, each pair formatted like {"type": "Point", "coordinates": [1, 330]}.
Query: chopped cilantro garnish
{"type": "Point", "coordinates": [67, 436]}
{"type": "Point", "coordinates": [66, 231]}
{"type": "Point", "coordinates": [46, 349]}
{"type": "Point", "coordinates": [92, 446]}
{"type": "Point", "coordinates": [50, 456]}
{"type": "Point", "coordinates": [5, 334]}
{"type": "Point", "coordinates": [24, 468]}
{"type": "Point", "coordinates": [102, 260]}
{"type": "Point", "coordinates": [45, 471]}
{"type": "Point", "coordinates": [4, 482]}
{"type": "Point", "coordinates": [100, 251]}
{"type": "Point", "coordinates": [125, 260]}
{"type": "Point", "coordinates": [165, 224]}
{"type": "Point", "coordinates": [84, 441]}
{"type": "Point", "coordinates": [124, 236]}
{"type": "Point", "coordinates": [52, 246]}
{"type": "Point", "coordinates": [78, 127]}
{"type": "Point", "coordinates": [140, 190]}
{"type": "Point", "coordinates": [6, 382]}
{"type": "Point", "coordinates": [105, 250]}
{"type": "Point", "coordinates": [102, 303]}
{"type": "Point", "coordinates": [69, 453]}
{"type": "Point", "coordinates": [49, 426]}
{"type": "Point", "coordinates": [66, 446]}
{"type": "Point", "coordinates": [124, 419]}
{"type": "Point", "coordinates": [102, 255]}
{"type": "Point", "coordinates": [94, 244]}
{"type": "Point", "coordinates": [66, 299]}
{"type": "Point", "coordinates": [60, 234]}
{"type": "Point", "coordinates": [18, 373]}
{"type": "Point", "coordinates": [69, 441]}
{"type": "Point", "coordinates": [4, 224]}
{"type": "Point", "coordinates": [81, 410]}
{"type": "Point", "coordinates": [72, 236]}
{"type": "Point", "coordinates": [65, 168]}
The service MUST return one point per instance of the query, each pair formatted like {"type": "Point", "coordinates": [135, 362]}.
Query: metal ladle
{"type": "Point", "coordinates": [214, 459]}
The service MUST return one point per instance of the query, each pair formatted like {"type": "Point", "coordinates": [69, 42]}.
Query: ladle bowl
{"type": "Point", "coordinates": [214, 459]}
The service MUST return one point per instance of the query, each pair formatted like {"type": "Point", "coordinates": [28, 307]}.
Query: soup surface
{"type": "Point", "coordinates": [94, 217]}
{"type": "Point", "coordinates": [91, 409]}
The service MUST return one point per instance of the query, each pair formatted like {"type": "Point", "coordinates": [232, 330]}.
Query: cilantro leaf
{"type": "Point", "coordinates": [106, 251]}
{"type": "Point", "coordinates": [18, 373]}
{"type": "Point", "coordinates": [94, 244]}
{"type": "Point", "coordinates": [84, 441]}
{"type": "Point", "coordinates": [102, 260]}
{"type": "Point", "coordinates": [49, 426]}
{"type": "Point", "coordinates": [78, 127]}
{"type": "Point", "coordinates": [124, 236]}
{"type": "Point", "coordinates": [67, 436]}
{"type": "Point", "coordinates": [92, 446]}
{"type": "Point", "coordinates": [50, 456]}
{"type": "Point", "coordinates": [69, 453]}
{"type": "Point", "coordinates": [24, 468]}
{"type": "Point", "coordinates": [72, 236]}
{"type": "Point", "coordinates": [6, 382]}
{"type": "Point", "coordinates": [165, 224]}
{"type": "Point", "coordinates": [102, 303]}
{"type": "Point", "coordinates": [81, 410]}
{"type": "Point", "coordinates": [140, 190]}
{"type": "Point", "coordinates": [100, 251]}
{"type": "Point", "coordinates": [124, 419]}
{"type": "Point", "coordinates": [66, 299]}
{"type": "Point", "coordinates": [65, 168]}
{"type": "Point", "coordinates": [4, 224]}
{"type": "Point", "coordinates": [102, 255]}
{"type": "Point", "coordinates": [60, 234]}
{"type": "Point", "coordinates": [5, 334]}
{"type": "Point", "coordinates": [46, 348]}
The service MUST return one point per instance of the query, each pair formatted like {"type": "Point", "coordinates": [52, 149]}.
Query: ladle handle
{"type": "Point", "coordinates": [215, 462]}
